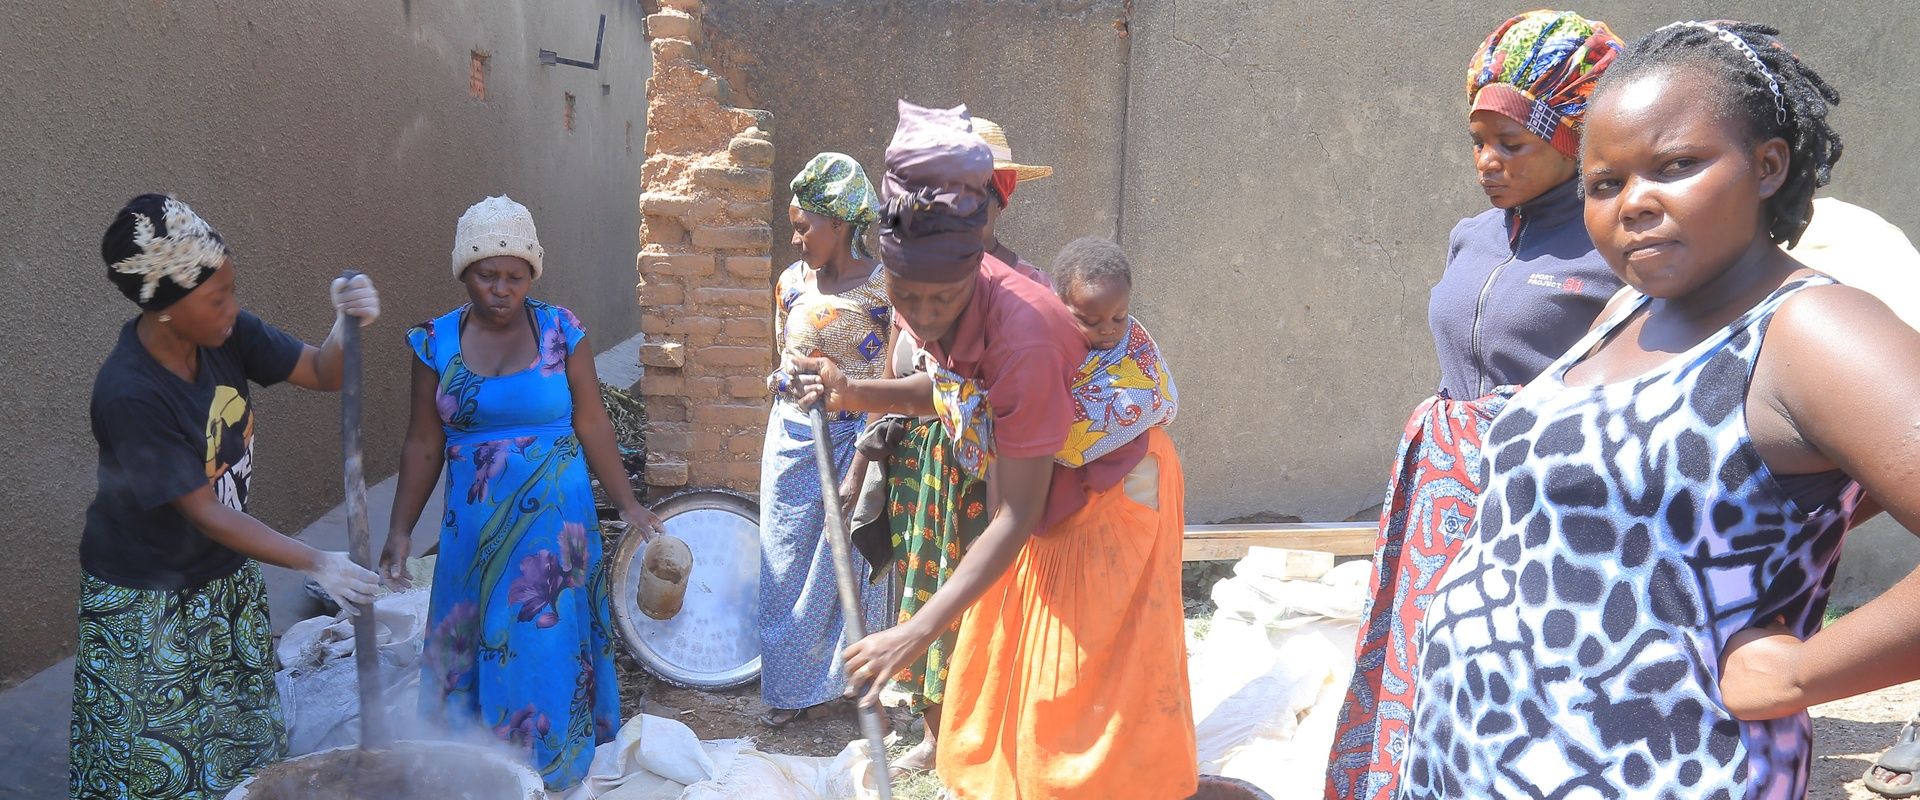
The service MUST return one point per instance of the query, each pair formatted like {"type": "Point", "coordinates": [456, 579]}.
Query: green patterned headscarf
{"type": "Point", "coordinates": [834, 185]}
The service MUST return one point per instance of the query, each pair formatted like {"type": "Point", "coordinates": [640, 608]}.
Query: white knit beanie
{"type": "Point", "coordinates": [496, 226]}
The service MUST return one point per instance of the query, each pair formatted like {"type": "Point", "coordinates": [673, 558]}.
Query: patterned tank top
{"type": "Point", "coordinates": [850, 327]}
{"type": "Point", "coordinates": [1626, 531]}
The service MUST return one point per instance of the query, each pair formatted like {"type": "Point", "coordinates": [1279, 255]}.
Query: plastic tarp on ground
{"type": "Point", "coordinates": [652, 758]}
{"type": "Point", "coordinates": [1272, 670]}
{"type": "Point", "coordinates": [655, 758]}
{"type": "Point", "coordinates": [318, 682]}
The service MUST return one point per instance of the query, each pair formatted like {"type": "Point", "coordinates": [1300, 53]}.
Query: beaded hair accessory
{"type": "Point", "coordinates": [189, 249]}
{"type": "Point", "coordinates": [1773, 82]}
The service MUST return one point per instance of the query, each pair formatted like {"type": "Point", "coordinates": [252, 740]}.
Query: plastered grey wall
{"type": "Point", "coordinates": [315, 136]}
{"type": "Point", "coordinates": [1052, 73]}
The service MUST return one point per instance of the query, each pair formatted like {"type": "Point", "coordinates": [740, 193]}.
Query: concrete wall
{"type": "Point", "coordinates": [315, 136]}
{"type": "Point", "coordinates": [1053, 73]}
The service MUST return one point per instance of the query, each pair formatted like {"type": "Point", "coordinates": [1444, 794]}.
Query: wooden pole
{"type": "Point", "coordinates": [374, 733]}
{"type": "Point", "coordinates": [836, 533]}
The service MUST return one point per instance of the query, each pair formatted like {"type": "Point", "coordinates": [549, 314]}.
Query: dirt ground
{"type": "Point", "coordinates": [1849, 734]}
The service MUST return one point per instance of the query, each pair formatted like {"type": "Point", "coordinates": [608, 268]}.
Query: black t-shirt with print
{"type": "Point", "coordinates": [160, 439]}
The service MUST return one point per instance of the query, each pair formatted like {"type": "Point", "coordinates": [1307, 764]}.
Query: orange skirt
{"type": "Point", "coordinates": [1069, 678]}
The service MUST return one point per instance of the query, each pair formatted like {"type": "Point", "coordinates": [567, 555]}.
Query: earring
{"type": "Point", "coordinates": [166, 317]}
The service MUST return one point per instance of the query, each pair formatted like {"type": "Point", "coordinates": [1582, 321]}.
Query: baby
{"type": "Point", "coordinates": [1123, 387]}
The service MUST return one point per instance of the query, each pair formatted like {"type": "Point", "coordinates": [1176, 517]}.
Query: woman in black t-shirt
{"type": "Point", "coordinates": [173, 693]}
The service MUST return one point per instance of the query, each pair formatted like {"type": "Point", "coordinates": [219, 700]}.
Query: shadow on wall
{"type": "Point", "coordinates": [315, 137]}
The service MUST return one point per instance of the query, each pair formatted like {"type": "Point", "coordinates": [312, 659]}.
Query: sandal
{"type": "Point", "coordinates": [1901, 759]}
{"type": "Point", "coordinates": [781, 717]}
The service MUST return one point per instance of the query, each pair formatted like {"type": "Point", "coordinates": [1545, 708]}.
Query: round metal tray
{"type": "Point", "coordinates": [714, 642]}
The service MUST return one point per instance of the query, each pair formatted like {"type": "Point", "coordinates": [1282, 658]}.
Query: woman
{"type": "Point", "coordinates": [833, 305]}
{"type": "Point", "coordinates": [506, 399]}
{"type": "Point", "coordinates": [1683, 472]}
{"type": "Point", "coordinates": [1522, 281]}
{"type": "Point", "coordinates": [1069, 673]}
{"type": "Point", "coordinates": [1007, 175]}
{"type": "Point", "coordinates": [173, 692]}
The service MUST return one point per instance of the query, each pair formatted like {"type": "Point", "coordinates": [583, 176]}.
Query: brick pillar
{"type": "Point", "coordinates": [705, 267]}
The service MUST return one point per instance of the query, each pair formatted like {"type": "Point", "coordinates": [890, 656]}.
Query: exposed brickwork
{"type": "Point", "coordinates": [704, 266]}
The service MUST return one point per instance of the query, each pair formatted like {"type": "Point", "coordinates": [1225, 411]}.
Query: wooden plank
{"type": "Point", "coordinates": [1230, 542]}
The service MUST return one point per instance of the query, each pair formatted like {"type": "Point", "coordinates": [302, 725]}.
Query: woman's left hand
{"type": "Point", "coordinates": [1757, 673]}
{"type": "Point", "coordinates": [355, 297]}
{"type": "Point", "coordinates": [639, 518]}
{"type": "Point", "coordinates": [873, 661]}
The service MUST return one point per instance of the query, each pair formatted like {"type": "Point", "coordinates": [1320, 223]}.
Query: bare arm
{"type": "Point", "coordinates": [422, 456]}
{"type": "Point", "coordinates": [595, 431]}
{"type": "Point", "coordinates": [814, 378]}
{"type": "Point", "coordinates": [1838, 366]}
{"type": "Point", "coordinates": [873, 661]}
{"type": "Point", "coordinates": [244, 534]}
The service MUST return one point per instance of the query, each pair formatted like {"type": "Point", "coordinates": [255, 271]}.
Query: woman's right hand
{"type": "Point", "coordinates": [347, 583]}
{"type": "Point", "coordinates": [815, 380]}
{"type": "Point", "coordinates": [393, 561]}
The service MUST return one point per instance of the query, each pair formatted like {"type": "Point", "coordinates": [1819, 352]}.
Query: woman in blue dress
{"type": "Point", "coordinates": [506, 399]}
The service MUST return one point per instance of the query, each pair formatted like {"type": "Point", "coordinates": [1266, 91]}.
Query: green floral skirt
{"type": "Point", "coordinates": [173, 693]}
{"type": "Point", "coordinates": [935, 511]}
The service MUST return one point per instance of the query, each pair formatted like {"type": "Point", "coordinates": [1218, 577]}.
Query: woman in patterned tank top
{"type": "Point", "coordinates": [1683, 475]}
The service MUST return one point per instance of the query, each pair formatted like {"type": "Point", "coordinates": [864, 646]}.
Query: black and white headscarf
{"type": "Point", "coordinates": [157, 250]}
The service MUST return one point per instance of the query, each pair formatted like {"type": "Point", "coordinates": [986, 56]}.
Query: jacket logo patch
{"type": "Point", "coordinates": [1543, 280]}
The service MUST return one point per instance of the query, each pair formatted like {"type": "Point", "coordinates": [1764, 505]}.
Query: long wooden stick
{"type": "Point", "coordinates": [366, 647]}
{"type": "Point", "coordinates": [836, 533]}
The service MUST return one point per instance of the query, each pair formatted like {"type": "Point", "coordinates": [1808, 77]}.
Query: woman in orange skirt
{"type": "Point", "coordinates": [1069, 677]}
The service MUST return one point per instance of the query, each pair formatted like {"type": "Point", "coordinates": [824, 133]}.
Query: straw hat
{"type": "Point", "coordinates": [996, 138]}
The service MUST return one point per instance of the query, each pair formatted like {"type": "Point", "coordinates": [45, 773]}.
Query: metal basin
{"type": "Point", "coordinates": [714, 642]}
{"type": "Point", "coordinates": [408, 771]}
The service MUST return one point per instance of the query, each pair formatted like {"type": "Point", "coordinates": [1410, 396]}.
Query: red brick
{"type": "Point", "coordinates": [756, 357]}
{"type": "Point", "coordinates": [679, 264]}
{"type": "Point", "coordinates": [742, 475]}
{"type": "Point", "coordinates": [745, 475]}
{"type": "Point", "coordinates": [747, 388]}
{"type": "Point", "coordinates": [665, 408]}
{"type": "Point", "coordinates": [666, 473]}
{"type": "Point", "coordinates": [747, 444]}
{"type": "Point", "coordinates": [673, 25]}
{"type": "Point", "coordinates": [751, 151]}
{"type": "Point", "coordinates": [742, 178]}
{"type": "Point", "coordinates": [705, 388]}
{"type": "Point", "coordinates": [654, 383]}
{"type": "Point", "coordinates": [729, 414]}
{"type": "Point", "coordinates": [660, 294]}
{"type": "Point", "coordinates": [733, 237]}
{"type": "Point", "coordinates": [756, 329]}
{"type": "Point", "coordinates": [671, 355]}
{"type": "Point", "coordinates": [755, 268]}
{"type": "Point", "coordinates": [761, 299]}
{"type": "Point", "coordinates": [664, 204]}
{"type": "Point", "coordinates": [665, 50]}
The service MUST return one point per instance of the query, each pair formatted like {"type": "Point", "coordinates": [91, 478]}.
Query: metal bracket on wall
{"type": "Point", "coordinates": [549, 58]}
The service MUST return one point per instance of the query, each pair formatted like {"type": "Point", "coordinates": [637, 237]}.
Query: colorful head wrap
{"type": "Point", "coordinates": [834, 185]}
{"type": "Point", "coordinates": [1539, 69]}
{"type": "Point", "coordinates": [935, 193]}
{"type": "Point", "coordinates": [157, 250]}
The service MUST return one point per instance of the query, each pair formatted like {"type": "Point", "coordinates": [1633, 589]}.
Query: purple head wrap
{"type": "Point", "coordinates": [934, 195]}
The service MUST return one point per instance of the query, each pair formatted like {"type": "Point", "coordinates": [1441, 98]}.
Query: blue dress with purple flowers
{"type": "Point", "coordinates": [518, 631]}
